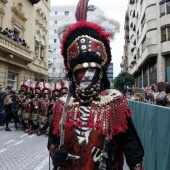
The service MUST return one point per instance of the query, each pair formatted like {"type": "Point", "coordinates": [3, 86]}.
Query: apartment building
{"type": "Point", "coordinates": [28, 20]}
{"type": "Point", "coordinates": [57, 15]}
{"type": "Point", "coordinates": [110, 72]}
{"type": "Point", "coordinates": [147, 52]}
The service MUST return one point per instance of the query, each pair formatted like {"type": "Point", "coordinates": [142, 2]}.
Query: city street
{"type": "Point", "coordinates": [21, 151]}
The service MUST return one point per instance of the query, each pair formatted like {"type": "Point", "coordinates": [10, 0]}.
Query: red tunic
{"type": "Point", "coordinates": [107, 116]}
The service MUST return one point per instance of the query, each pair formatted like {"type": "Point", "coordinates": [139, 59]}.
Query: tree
{"type": "Point", "coordinates": [123, 81]}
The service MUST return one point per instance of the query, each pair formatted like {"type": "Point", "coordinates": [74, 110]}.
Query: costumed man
{"type": "Point", "coordinates": [63, 89]}
{"type": "Point", "coordinates": [35, 104]}
{"type": "Point", "coordinates": [54, 98]}
{"type": "Point", "coordinates": [27, 107]}
{"type": "Point", "coordinates": [91, 126]}
{"type": "Point", "coordinates": [21, 99]}
{"type": "Point", "coordinates": [43, 121]}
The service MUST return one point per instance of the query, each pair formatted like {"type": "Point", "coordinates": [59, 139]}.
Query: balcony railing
{"type": "Point", "coordinates": [34, 1]}
{"type": "Point", "coordinates": [9, 46]}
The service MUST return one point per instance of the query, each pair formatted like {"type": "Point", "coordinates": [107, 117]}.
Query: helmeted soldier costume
{"type": "Point", "coordinates": [63, 89]}
{"type": "Point", "coordinates": [27, 107]}
{"type": "Point", "coordinates": [54, 97]}
{"type": "Point", "coordinates": [21, 99]}
{"type": "Point", "coordinates": [35, 104]}
{"type": "Point", "coordinates": [43, 120]}
{"type": "Point", "coordinates": [93, 122]}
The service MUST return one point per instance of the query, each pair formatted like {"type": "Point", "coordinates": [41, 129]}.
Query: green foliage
{"type": "Point", "coordinates": [123, 80]}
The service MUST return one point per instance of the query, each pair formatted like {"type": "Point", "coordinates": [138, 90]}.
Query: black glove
{"type": "Point", "coordinates": [59, 157]}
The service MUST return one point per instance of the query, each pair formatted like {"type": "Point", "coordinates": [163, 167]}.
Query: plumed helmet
{"type": "Point", "coordinates": [64, 87]}
{"type": "Point", "coordinates": [85, 36]}
{"type": "Point", "coordinates": [46, 89]}
{"type": "Point", "coordinates": [30, 84]}
{"type": "Point", "coordinates": [56, 89]}
{"type": "Point", "coordinates": [39, 86]}
{"type": "Point", "coordinates": [24, 87]}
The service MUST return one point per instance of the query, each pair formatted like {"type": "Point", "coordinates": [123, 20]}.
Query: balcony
{"type": "Point", "coordinates": [34, 1]}
{"type": "Point", "coordinates": [127, 35]}
{"type": "Point", "coordinates": [9, 46]}
{"type": "Point", "coordinates": [126, 26]}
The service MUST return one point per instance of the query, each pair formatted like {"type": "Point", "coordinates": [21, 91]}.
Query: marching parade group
{"type": "Point", "coordinates": [34, 105]}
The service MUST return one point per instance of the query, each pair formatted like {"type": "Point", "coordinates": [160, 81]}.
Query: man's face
{"type": "Point", "coordinates": [85, 77]}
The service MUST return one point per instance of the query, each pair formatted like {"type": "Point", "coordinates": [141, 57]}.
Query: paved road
{"type": "Point", "coordinates": [20, 151]}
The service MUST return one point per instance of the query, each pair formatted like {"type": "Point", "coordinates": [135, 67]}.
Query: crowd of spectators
{"type": "Point", "coordinates": [158, 94]}
{"type": "Point", "coordinates": [14, 36]}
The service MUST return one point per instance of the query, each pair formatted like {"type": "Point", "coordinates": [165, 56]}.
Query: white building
{"type": "Point", "coordinates": [149, 41]}
{"type": "Point", "coordinates": [58, 13]}
{"type": "Point", "coordinates": [110, 72]}
{"type": "Point", "coordinates": [28, 21]}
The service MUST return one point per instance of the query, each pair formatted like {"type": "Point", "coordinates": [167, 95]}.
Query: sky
{"type": "Point", "coordinates": [115, 9]}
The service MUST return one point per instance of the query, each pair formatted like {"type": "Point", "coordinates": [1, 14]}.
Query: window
{"type": "Point", "coordinates": [36, 48]}
{"type": "Point", "coordinates": [56, 13]}
{"type": "Point", "coordinates": [137, 35]}
{"type": "Point", "coordinates": [42, 49]}
{"type": "Point", "coordinates": [163, 32]}
{"type": "Point", "coordinates": [144, 45]}
{"type": "Point", "coordinates": [165, 8]}
{"type": "Point", "coordinates": [168, 7]}
{"type": "Point", "coordinates": [12, 80]}
{"type": "Point", "coordinates": [55, 22]}
{"type": "Point", "coordinates": [42, 52]}
{"type": "Point", "coordinates": [54, 60]}
{"type": "Point", "coordinates": [37, 43]}
{"type": "Point", "coordinates": [143, 22]}
{"type": "Point", "coordinates": [54, 69]}
{"type": "Point", "coordinates": [169, 34]}
{"type": "Point", "coordinates": [138, 54]}
{"type": "Point", "coordinates": [16, 32]}
{"type": "Point", "coordinates": [162, 9]}
{"type": "Point", "coordinates": [55, 40]}
{"type": "Point", "coordinates": [66, 13]}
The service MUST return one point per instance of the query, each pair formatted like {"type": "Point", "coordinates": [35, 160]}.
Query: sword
{"type": "Point", "coordinates": [63, 123]}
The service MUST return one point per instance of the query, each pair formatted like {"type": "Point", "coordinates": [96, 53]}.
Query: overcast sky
{"type": "Point", "coordinates": [116, 9]}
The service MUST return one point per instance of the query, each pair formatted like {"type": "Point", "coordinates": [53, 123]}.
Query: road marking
{"type": "Point", "coordinates": [23, 135]}
{"type": "Point", "coordinates": [31, 136]}
{"type": "Point", "coordinates": [18, 142]}
{"type": "Point", "coordinates": [2, 150]}
{"type": "Point", "coordinates": [43, 164]}
{"type": "Point", "coordinates": [9, 141]}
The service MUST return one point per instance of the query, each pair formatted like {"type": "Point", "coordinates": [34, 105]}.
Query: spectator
{"type": "Point", "coordinates": [24, 43]}
{"type": "Point", "coordinates": [161, 94]}
{"type": "Point", "coordinates": [20, 41]}
{"type": "Point", "coordinates": [5, 32]}
{"type": "Point", "coordinates": [146, 93]}
{"type": "Point", "coordinates": [10, 34]}
{"type": "Point", "coordinates": [16, 38]}
{"type": "Point", "coordinates": [1, 32]}
{"type": "Point", "coordinates": [8, 107]}
{"type": "Point", "coordinates": [167, 97]}
{"type": "Point", "coordinates": [2, 113]}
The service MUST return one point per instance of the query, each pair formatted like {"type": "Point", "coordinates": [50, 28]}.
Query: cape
{"type": "Point", "coordinates": [108, 115]}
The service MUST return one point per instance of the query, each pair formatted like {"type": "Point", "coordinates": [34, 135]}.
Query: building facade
{"type": "Point", "coordinates": [27, 20]}
{"type": "Point", "coordinates": [110, 72]}
{"type": "Point", "coordinates": [57, 15]}
{"type": "Point", "coordinates": [147, 51]}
